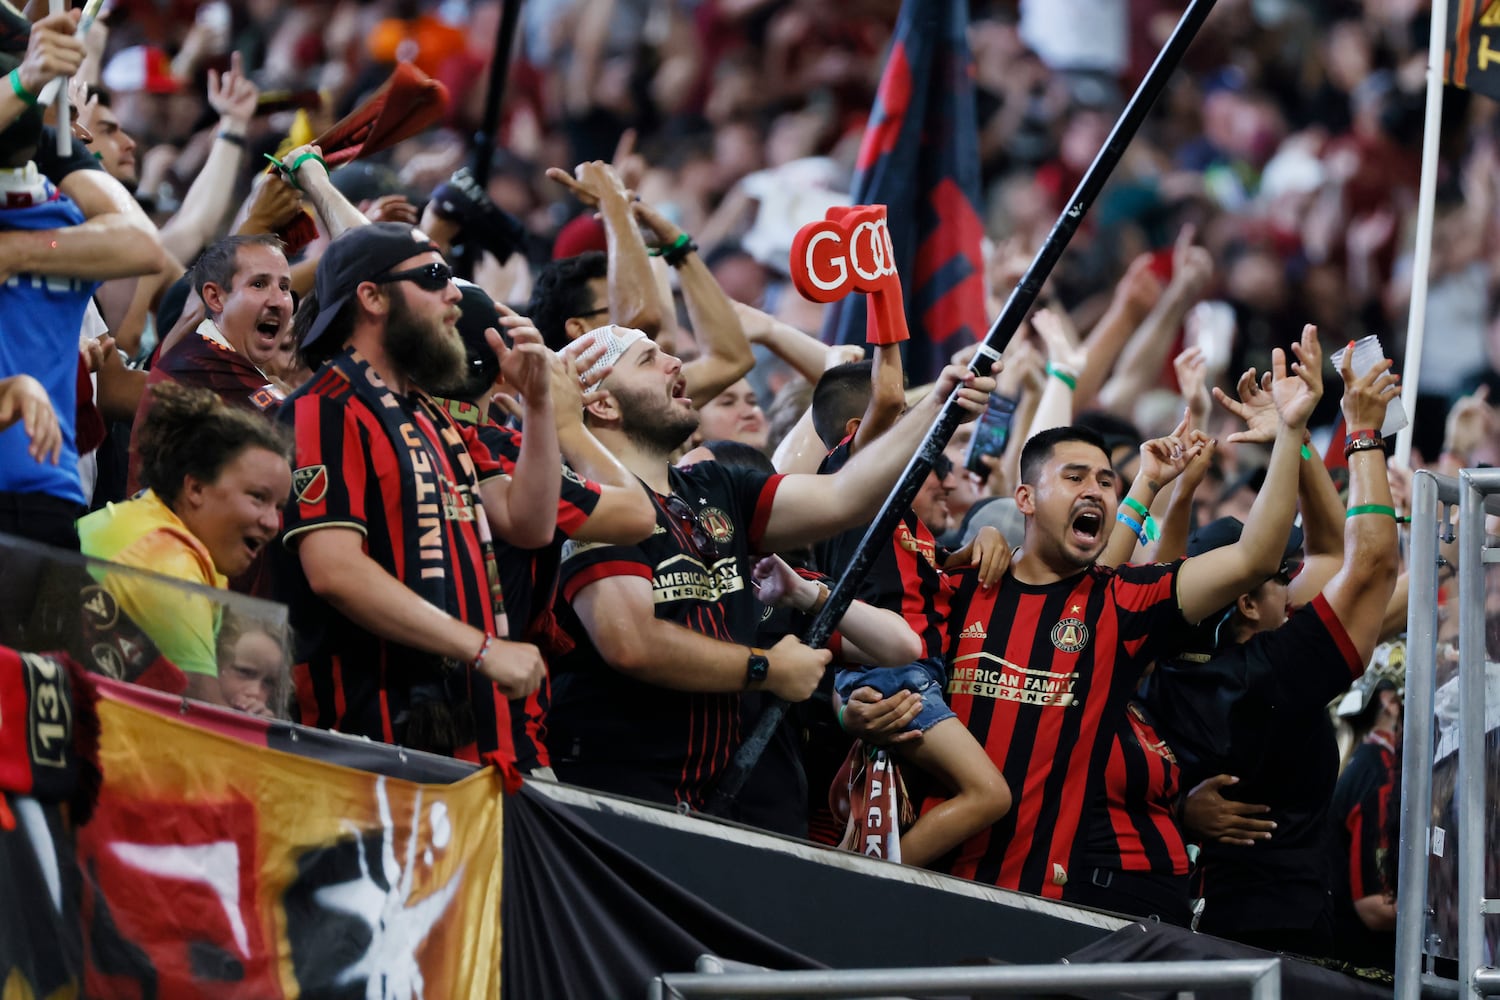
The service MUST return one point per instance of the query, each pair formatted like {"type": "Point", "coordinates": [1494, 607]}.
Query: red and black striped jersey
{"type": "Point", "coordinates": [1361, 839]}
{"type": "Point", "coordinates": [1041, 676]}
{"type": "Point", "coordinates": [610, 731]}
{"type": "Point", "coordinates": [1135, 828]}
{"type": "Point", "coordinates": [528, 580]}
{"type": "Point", "coordinates": [201, 362]}
{"type": "Point", "coordinates": [348, 475]}
{"type": "Point", "coordinates": [904, 577]}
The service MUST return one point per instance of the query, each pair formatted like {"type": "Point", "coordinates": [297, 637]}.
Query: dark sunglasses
{"type": "Point", "coordinates": [428, 277]}
{"type": "Point", "coordinates": [942, 467]}
{"type": "Point", "coordinates": [702, 540]}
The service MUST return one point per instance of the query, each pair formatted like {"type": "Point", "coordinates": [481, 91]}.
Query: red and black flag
{"type": "Point", "coordinates": [920, 158]}
{"type": "Point", "coordinates": [1473, 58]}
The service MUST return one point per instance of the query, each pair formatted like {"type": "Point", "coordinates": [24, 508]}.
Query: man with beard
{"type": "Point", "coordinates": [388, 566]}
{"type": "Point", "coordinates": [246, 287]}
{"type": "Point", "coordinates": [647, 702]}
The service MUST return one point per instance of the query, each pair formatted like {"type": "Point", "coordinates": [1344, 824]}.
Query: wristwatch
{"type": "Point", "coordinates": [757, 668]}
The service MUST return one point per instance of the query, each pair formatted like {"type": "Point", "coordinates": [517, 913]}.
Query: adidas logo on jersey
{"type": "Point", "coordinates": [974, 631]}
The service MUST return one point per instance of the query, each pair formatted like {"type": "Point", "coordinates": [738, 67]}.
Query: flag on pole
{"type": "Point", "coordinates": [1473, 56]}
{"type": "Point", "coordinates": [920, 158]}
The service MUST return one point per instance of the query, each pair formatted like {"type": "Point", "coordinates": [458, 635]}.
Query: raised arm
{"type": "Point", "coordinates": [809, 508]}
{"type": "Point", "coordinates": [197, 222]}
{"type": "Point", "coordinates": [1210, 581]}
{"type": "Point", "coordinates": [634, 300]}
{"type": "Point", "coordinates": [1361, 590]}
{"type": "Point", "coordinates": [725, 357]}
{"type": "Point", "coordinates": [522, 508]}
{"type": "Point", "coordinates": [1163, 460]}
{"type": "Point", "coordinates": [806, 354]}
{"type": "Point", "coordinates": [624, 514]}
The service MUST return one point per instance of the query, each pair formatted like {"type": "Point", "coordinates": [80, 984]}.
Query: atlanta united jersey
{"type": "Point", "coordinates": [1041, 675]}
{"type": "Point", "coordinates": [613, 732]}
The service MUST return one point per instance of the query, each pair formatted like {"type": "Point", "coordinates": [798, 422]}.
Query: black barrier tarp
{"type": "Point", "coordinates": [584, 918]}
{"type": "Point", "coordinates": [1162, 943]}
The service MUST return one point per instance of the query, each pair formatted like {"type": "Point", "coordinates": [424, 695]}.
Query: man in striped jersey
{"type": "Point", "coordinates": [1044, 664]}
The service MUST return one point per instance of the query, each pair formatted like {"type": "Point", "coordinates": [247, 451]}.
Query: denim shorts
{"type": "Point", "coordinates": [926, 677]}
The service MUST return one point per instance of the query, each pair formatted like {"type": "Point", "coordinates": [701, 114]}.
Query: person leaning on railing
{"type": "Point", "coordinates": [216, 481]}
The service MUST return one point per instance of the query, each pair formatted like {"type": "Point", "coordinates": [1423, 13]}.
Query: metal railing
{"type": "Point", "coordinates": [1474, 493]}
{"type": "Point", "coordinates": [1261, 976]}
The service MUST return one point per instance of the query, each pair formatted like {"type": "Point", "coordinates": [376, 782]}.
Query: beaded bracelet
{"type": "Point", "coordinates": [676, 252]}
{"type": "Point", "coordinates": [489, 640]}
{"type": "Point", "coordinates": [1064, 376]}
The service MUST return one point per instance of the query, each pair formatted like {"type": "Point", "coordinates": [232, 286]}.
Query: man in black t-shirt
{"type": "Point", "coordinates": [647, 703]}
{"type": "Point", "coordinates": [1253, 704]}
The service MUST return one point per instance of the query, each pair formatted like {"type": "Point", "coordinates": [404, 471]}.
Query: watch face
{"type": "Point", "coordinates": [757, 669]}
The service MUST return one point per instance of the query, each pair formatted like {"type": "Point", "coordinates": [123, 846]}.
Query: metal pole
{"type": "Point", "coordinates": [1418, 735]}
{"type": "Point", "coordinates": [1416, 316]}
{"type": "Point", "coordinates": [1471, 682]}
{"type": "Point", "coordinates": [484, 138]}
{"type": "Point", "coordinates": [1021, 299]}
{"type": "Point", "coordinates": [1263, 976]}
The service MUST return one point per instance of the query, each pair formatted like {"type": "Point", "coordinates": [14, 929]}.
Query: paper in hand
{"type": "Point", "coordinates": [1367, 354]}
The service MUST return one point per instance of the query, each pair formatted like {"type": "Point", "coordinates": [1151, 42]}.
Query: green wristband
{"type": "Point", "coordinates": [1371, 508]}
{"type": "Point", "coordinates": [1306, 453]}
{"type": "Point", "coordinates": [841, 717]}
{"type": "Point", "coordinates": [1136, 506]}
{"type": "Point", "coordinates": [1069, 380]}
{"type": "Point", "coordinates": [20, 88]}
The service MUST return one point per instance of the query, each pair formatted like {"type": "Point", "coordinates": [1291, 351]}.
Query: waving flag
{"type": "Point", "coordinates": [920, 158]}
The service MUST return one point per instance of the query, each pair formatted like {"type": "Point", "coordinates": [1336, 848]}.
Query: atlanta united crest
{"type": "Point", "coordinates": [717, 523]}
{"type": "Point", "coordinates": [1070, 635]}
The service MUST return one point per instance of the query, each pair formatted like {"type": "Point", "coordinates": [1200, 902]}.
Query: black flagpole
{"type": "Point", "coordinates": [1000, 333]}
{"type": "Point", "coordinates": [484, 138]}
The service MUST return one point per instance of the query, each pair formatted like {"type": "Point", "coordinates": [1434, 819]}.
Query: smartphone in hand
{"type": "Point", "coordinates": [991, 431]}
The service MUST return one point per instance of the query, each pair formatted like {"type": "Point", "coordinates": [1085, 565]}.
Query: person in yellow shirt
{"type": "Point", "coordinates": [216, 481]}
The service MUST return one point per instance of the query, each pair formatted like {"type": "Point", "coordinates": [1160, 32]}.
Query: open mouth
{"type": "Point", "coordinates": [269, 330]}
{"type": "Point", "coordinates": [679, 391]}
{"type": "Point", "coordinates": [1087, 524]}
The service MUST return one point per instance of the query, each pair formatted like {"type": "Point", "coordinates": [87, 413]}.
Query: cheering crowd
{"type": "Point", "coordinates": [1136, 642]}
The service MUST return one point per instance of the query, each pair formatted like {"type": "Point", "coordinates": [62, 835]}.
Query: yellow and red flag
{"type": "Point", "coordinates": [215, 868]}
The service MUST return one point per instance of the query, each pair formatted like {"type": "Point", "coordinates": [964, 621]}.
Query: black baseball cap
{"type": "Point", "coordinates": [357, 255]}
{"type": "Point", "coordinates": [1227, 531]}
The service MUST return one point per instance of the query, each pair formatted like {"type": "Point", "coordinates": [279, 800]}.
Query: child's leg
{"type": "Point", "coordinates": [981, 796]}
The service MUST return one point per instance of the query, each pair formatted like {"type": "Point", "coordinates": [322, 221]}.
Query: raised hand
{"type": "Point", "coordinates": [1254, 406]}
{"type": "Point", "coordinates": [1192, 378]}
{"type": "Point", "coordinates": [1366, 396]}
{"type": "Point", "coordinates": [1164, 459]}
{"type": "Point", "coordinates": [1061, 337]}
{"type": "Point", "coordinates": [777, 584]}
{"type": "Point", "coordinates": [591, 182]}
{"type": "Point", "coordinates": [392, 208]}
{"type": "Point", "coordinates": [971, 391]}
{"type": "Point", "coordinates": [233, 95]}
{"type": "Point", "coordinates": [526, 364]}
{"type": "Point", "coordinates": [1297, 391]}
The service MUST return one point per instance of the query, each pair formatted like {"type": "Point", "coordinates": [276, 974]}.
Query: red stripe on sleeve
{"type": "Point", "coordinates": [1356, 823]}
{"type": "Point", "coordinates": [599, 571]}
{"type": "Point", "coordinates": [1341, 638]}
{"type": "Point", "coordinates": [763, 505]}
